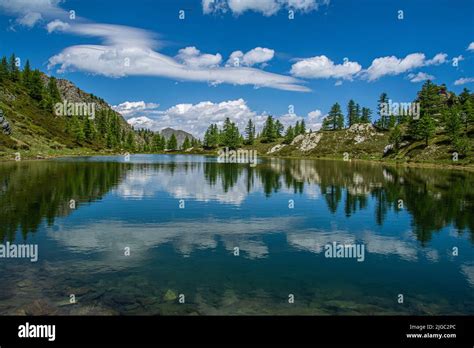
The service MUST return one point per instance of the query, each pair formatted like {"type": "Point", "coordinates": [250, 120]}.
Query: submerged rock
{"type": "Point", "coordinates": [170, 295]}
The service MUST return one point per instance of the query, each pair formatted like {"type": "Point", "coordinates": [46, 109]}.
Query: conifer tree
{"type": "Point", "coordinates": [269, 131]}
{"type": "Point", "coordinates": [130, 141]}
{"type": "Point", "coordinates": [289, 135]}
{"type": "Point", "coordinates": [366, 115]}
{"type": "Point", "coordinates": [186, 144]}
{"type": "Point", "coordinates": [297, 128]}
{"type": "Point", "coordinates": [278, 129]}
{"type": "Point", "coordinates": [53, 90]}
{"type": "Point", "coordinates": [36, 90]}
{"type": "Point", "coordinates": [302, 127]}
{"type": "Point", "coordinates": [172, 143]}
{"type": "Point", "coordinates": [13, 69]}
{"type": "Point", "coordinates": [89, 130]}
{"type": "Point", "coordinates": [335, 118]}
{"type": "Point", "coordinates": [250, 133]}
{"type": "Point", "coordinates": [26, 75]}
{"type": "Point", "coordinates": [351, 113]}
{"type": "Point", "coordinates": [382, 110]}
{"type": "Point", "coordinates": [4, 74]}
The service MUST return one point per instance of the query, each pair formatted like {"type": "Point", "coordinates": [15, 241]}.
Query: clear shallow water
{"type": "Point", "coordinates": [190, 251]}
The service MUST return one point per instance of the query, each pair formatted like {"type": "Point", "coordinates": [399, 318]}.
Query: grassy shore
{"type": "Point", "coordinates": [80, 152]}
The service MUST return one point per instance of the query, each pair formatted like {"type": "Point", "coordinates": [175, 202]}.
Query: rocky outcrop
{"type": "Point", "coordinates": [4, 125]}
{"type": "Point", "coordinates": [276, 148]}
{"type": "Point", "coordinates": [307, 142]}
{"type": "Point", "coordinates": [361, 132]}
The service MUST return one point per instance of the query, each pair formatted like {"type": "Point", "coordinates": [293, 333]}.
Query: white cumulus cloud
{"type": "Point", "coordinates": [195, 118]}
{"type": "Point", "coordinates": [392, 65]}
{"type": "Point", "coordinates": [129, 109]}
{"type": "Point", "coordinates": [323, 67]}
{"type": "Point", "coordinates": [57, 25]}
{"type": "Point", "coordinates": [192, 57]}
{"type": "Point", "coordinates": [266, 7]}
{"type": "Point", "coordinates": [258, 55]}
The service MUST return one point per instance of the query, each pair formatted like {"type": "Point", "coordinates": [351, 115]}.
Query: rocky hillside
{"type": "Point", "coordinates": [359, 141]}
{"type": "Point", "coordinates": [364, 141]}
{"type": "Point", "coordinates": [37, 131]}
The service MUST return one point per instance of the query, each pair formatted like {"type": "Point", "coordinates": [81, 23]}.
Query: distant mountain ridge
{"type": "Point", "coordinates": [143, 122]}
{"type": "Point", "coordinates": [179, 134]}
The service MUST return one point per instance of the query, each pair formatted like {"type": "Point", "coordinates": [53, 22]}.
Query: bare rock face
{"type": "Point", "coordinates": [388, 148]}
{"type": "Point", "coordinates": [276, 148]}
{"type": "Point", "coordinates": [307, 142]}
{"type": "Point", "coordinates": [297, 139]}
{"type": "Point", "coordinates": [359, 139]}
{"type": "Point", "coordinates": [362, 128]}
{"type": "Point", "coordinates": [4, 125]}
{"type": "Point", "coordinates": [361, 132]}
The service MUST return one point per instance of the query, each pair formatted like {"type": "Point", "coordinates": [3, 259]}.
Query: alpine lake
{"type": "Point", "coordinates": [187, 235]}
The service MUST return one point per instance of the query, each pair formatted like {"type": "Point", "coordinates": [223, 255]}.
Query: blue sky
{"type": "Point", "coordinates": [283, 62]}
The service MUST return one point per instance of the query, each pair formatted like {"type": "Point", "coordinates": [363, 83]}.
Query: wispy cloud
{"type": "Point", "coordinates": [129, 51]}
{"type": "Point", "coordinates": [420, 77]}
{"type": "Point", "coordinates": [463, 81]}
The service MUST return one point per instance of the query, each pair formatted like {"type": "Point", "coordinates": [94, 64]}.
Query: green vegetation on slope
{"type": "Point", "coordinates": [85, 124]}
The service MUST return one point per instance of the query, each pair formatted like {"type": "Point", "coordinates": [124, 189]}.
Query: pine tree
{"type": "Point", "coordinates": [430, 108]}
{"type": "Point", "coordinates": [297, 128]}
{"type": "Point", "coordinates": [77, 130]}
{"type": "Point", "coordinates": [4, 74]}
{"type": "Point", "coordinates": [466, 100]}
{"type": "Point", "coordinates": [366, 115]}
{"type": "Point", "coordinates": [230, 134]}
{"type": "Point", "coordinates": [289, 135]}
{"type": "Point", "coordinates": [269, 131]}
{"type": "Point", "coordinates": [53, 90]}
{"type": "Point", "coordinates": [351, 113]}
{"type": "Point", "coordinates": [452, 122]}
{"type": "Point", "coordinates": [279, 129]}
{"type": "Point", "coordinates": [186, 144]}
{"type": "Point", "coordinates": [13, 69]}
{"type": "Point", "coordinates": [172, 143]}
{"type": "Point", "coordinates": [425, 128]}
{"type": "Point", "coordinates": [26, 75]}
{"type": "Point", "coordinates": [396, 136]}
{"type": "Point", "coordinates": [250, 133]}
{"type": "Point", "coordinates": [36, 90]}
{"type": "Point", "coordinates": [382, 110]}
{"type": "Point", "coordinates": [211, 137]}
{"type": "Point", "coordinates": [327, 123]}
{"type": "Point", "coordinates": [89, 130]}
{"type": "Point", "coordinates": [130, 141]}
{"type": "Point", "coordinates": [358, 113]}
{"type": "Point", "coordinates": [335, 119]}
{"type": "Point", "coordinates": [302, 127]}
